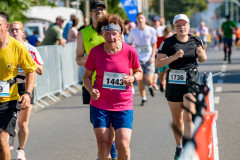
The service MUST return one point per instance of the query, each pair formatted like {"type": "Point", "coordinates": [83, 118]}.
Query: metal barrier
{"type": "Point", "coordinates": [69, 70]}
{"type": "Point", "coordinates": [204, 144]}
{"type": "Point", "coordinates": [60, 72]}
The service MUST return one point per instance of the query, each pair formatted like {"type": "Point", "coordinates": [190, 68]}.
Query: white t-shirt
{"type": "Point", "coordinates": [35, 56]}
{"type": "Point", "coordinates": [201, 36]}
{"type": "Point", "coordinates": [143, 40]}
{"type": "Point", "coordinates": [160, 30]}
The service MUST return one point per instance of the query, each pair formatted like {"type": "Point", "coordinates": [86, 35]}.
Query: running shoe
{"type": "Point", "coordinates": [143, 102]}
{"type": "Point", "coordinates": [114, 151]}
{"type": "Point", "coordinates": [161, 88]}
{"type": "Point", "coordinates": [20, 154]}
{"type": "Point", "coordinates": [178, 154]}
{"type": "Point", "coordinates": [151, 91]}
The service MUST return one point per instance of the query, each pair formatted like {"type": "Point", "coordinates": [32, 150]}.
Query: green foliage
{"type": "Point", "coordinates": [16, 8]}
{"type": "Point", "coordinates": [173, 7]}
{"type": "Point", "coordinates": [113, 8]}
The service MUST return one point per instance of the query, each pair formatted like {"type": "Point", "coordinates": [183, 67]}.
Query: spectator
{"type": "Point", "coordinates": [33, 39]}
{"type": "Point", "coordinates": [68, 26]}
{"type": "Point", "coordinates": [73, 31]}
{"type": "Point", "coordinates": [86, 23]}
{"type": "Point", "coordinates": [53, 34]}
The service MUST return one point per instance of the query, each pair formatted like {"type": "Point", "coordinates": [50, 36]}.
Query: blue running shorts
{"type": "Point", "coordinates": [103, 118]}
{"type": "Point", "coordinates": [228, 41]}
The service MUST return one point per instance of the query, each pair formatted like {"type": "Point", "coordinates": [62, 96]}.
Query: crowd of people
{"type": "Point", "coordinates": [116, 54]}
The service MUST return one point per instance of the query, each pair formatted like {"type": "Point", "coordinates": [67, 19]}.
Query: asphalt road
{"type": "Point", "coordinates": [63, 131]}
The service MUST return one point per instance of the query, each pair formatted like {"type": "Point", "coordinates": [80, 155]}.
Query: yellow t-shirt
{"type": "Point", "coordinates": [14, 54]}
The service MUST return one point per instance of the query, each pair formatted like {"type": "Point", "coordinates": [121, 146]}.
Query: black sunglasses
{"type": "Point", "coordinates": [98, 9]}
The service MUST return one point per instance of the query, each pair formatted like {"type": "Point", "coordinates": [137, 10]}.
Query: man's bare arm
{"type": "Point", "coordinates": [80, 59]}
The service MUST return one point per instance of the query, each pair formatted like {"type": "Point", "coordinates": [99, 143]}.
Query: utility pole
{"type": "Point", "coordinates": [86, 9]}
{"type": "Point", "coordinates": [161, 7]}
{"type": "Point", "coordinates": [66, 3]}
{"type": "Point", "coordinates": [232, 10]}
{"type": "Point", "coordinates": [106, 4]}
{"type": "Point", "coordinates": [237, 14]}
{"type": "Point", "coordinates": [226, 8]}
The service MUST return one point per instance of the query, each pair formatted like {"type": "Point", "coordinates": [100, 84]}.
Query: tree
{"type": "Point", "coordinates": [113, 8]}
{"type": "Point", "coordinates": [16, 8]}
{"type": "Point", "coordinates": [173, 7]}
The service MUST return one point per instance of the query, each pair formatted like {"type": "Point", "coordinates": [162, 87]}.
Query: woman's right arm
{"type": "Point", "coordinates": [162, 59]}
{"type": "Point", "coordinates": [87, 81]}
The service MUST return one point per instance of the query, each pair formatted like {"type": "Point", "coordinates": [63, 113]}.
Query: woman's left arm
{"type": "Point", "coordinates": [201, 54]}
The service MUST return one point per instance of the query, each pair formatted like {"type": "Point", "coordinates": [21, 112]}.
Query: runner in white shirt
{"type": "Point", "coordinates": [144, 39]}
{"type": "Point", "coordinates": [203, 33]}
{"type": "Point", "coordinates": [158, 28]}
{"type": "Point", "coordinates": [17, 31]}
{"type": "Point", "coordinates": [161, 27]}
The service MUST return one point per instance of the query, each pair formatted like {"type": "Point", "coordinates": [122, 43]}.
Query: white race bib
{"type": "Point", "coordinates": [114, 81]}
{"type": "Point", "coordinates": [143, 49]}
{"type": "Point", "coordinates": [177, 76]}
{"type": "Point", "coordinates": [4, 89]}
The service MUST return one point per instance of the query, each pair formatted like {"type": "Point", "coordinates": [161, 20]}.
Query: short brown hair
{"type": "Point", "coordinates": [167, 29]}
{"type": "Point", "coordinates": [141, 13]}
{"type": "Point", "coordinates": [107, 19]}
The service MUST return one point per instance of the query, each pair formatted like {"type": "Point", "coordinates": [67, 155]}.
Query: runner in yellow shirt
{"type": "Point", "coordinates": [12, 55]}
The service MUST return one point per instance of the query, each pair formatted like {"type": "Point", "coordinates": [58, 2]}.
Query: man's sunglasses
{"type": "Point", "coordinates": [97, 9]}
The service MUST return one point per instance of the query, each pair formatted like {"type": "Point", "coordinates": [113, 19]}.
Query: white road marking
{"type": "Point", "coordinates": [218, 89]}
{"type": "Point", "coordinates": [222, 74]}
{"type": "Point", "coordinates": [216, 100]}
{"type": "Point", "coordinates": [223, 70]}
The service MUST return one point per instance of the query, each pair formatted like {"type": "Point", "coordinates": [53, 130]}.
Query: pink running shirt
{"type": "Point", "coordinates": [121, 62]}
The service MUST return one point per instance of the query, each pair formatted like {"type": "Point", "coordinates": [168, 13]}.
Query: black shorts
{"type": "Point", "coordinates": [86, 96]}
{"type": "Point", "coordinates": [237, 39]}
{"type": "Point", "coordinates": [21, 90]}
{"type": "Point", "coordinates": [175, 92]}
{"type": "Point", "coordinates": [8, 117]}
